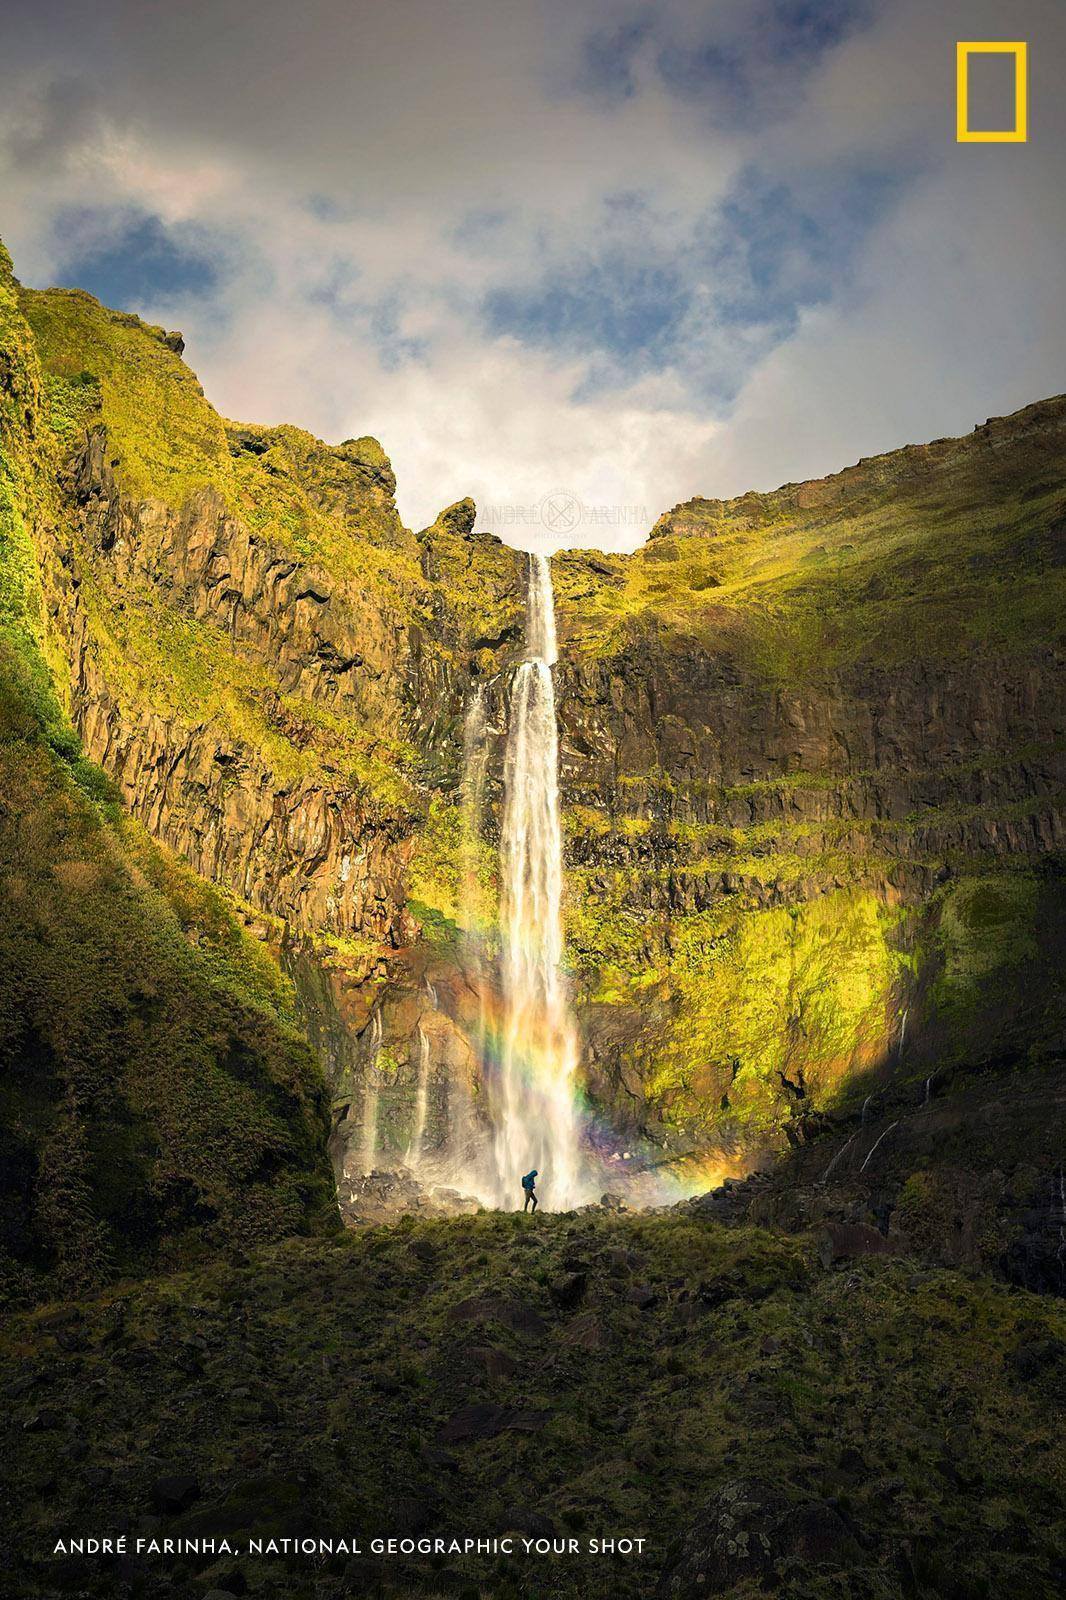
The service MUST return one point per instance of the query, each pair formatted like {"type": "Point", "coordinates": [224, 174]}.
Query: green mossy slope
{"type": "Point", "coordinates": [742, 1018]}
{"type": "Point", "coordinates": [156, 1099]}
{"type": "Point", "coordinates": [931, 551]}
{"type": "Point", "coordinates": [880, 1430]}
{"type": "Point", "coordinates": [168, 442]}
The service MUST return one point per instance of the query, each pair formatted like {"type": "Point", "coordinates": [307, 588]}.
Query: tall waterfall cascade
{"type": "Point", "coordinates": [489, 1089]}
{"type": "Point", "coordinates": [534, 1111]}
{"type": "Point", "coordinates": [477, 1080]}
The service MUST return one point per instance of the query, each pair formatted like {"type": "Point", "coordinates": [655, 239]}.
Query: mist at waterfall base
{"type": "Point", "coordinates": [525, 1108]}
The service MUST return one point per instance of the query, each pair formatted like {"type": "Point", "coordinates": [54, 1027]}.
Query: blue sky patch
{"type": "Point", "coordinates": [710, 307]}
{"type": "Point", "coordinates": [803, 30]}
{"type": "Point", "coordinates": [608, 57]}
{"type": "Point", "coordinates": [130, 258]}
{"type": "Point", "coordinates": [745, 68]}
{"type": "Point", "coordinates": [619, 305]}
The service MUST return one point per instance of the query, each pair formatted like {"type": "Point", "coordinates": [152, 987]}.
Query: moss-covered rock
{"type": "Point", "coordinates": [156, 1098]}
{"type": "Point", "coordinates": [812, 745]}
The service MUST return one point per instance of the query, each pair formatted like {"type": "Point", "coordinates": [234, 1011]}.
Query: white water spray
{"type": "Point", "coordinates": [535, 1115]}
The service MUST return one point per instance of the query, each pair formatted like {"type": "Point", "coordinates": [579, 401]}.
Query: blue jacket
{"type": "Point", "coordinates": [528, 1182]}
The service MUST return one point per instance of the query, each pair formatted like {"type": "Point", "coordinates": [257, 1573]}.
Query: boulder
{"type": "Point", "coordinates": [510, 1313]}
{"type": "Point", "coordinates": [174, 1493]}
{"type": "Point", "coordinates": [746, 1535]}
{"type": "Point", "coordinates": [845, 1241]}
{"type": "Point", "coordinates": [568, 1290]}
{"type": "Point", "coordinates": [485, 1421]}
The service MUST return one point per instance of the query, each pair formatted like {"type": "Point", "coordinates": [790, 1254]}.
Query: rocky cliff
{"type": "Point", "coordinates": [814, 759]}
{"type": "Point", "coordinates": [158, 1102]}
{"type": "Point", "coordinates": [812, 744]}
{"type": "Point", "coordinates": [255, 648]}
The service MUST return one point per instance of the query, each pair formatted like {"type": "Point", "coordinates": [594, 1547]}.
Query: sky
{"type": "Point", "coordinates": [581, 261]}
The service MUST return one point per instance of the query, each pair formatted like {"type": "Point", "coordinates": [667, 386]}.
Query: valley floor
{"type": "Point", "coordinates": [764, 1422]}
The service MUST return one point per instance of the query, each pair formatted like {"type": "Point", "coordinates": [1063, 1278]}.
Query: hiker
{"type": "Point", "coordinates": [528, 1183]}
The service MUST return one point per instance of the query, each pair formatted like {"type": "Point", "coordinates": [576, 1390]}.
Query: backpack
{"type": "Point", "coordinates": [527, 1182]}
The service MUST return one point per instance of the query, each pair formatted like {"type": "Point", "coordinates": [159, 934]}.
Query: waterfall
{"type": "Point", "coordinates": [371, 1094]}
{"type": "Point", "coordinates": [534, 1111]}
{"type": "Point", "coordinates": [413, 1157]}
{"type": "Point", "coordinates": [877, 1145]}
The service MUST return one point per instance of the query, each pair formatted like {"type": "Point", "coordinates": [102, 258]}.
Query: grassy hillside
{"type": "Point", "coordinates": [874, 1429]}
{"type": "Point", "coordinates": [933, 551]}
{"type": "Point", "coordinates": [156, 1099]}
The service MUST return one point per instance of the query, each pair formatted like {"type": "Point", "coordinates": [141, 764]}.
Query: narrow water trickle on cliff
{"type": "Point", "coordinates": [535, 1119]}
{"type": "Point", "coordinates": [371, 1096]}
{"type": "Point", "coordinates": [418, 1132]}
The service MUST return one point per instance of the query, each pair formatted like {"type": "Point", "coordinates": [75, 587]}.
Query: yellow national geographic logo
{"type": "Point", "coordinates": [991, 47]}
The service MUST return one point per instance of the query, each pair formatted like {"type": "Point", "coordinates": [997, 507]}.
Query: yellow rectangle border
{"type": "Point", "coordinates": [964, 49]}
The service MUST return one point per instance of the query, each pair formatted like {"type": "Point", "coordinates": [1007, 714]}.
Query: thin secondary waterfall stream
{"type": "Point", "coordinates": [415, 1149]}
{"type": "Point", "coordinates": [371, 1095]}
{"type": "Point", "coordinates": [535, 1111]}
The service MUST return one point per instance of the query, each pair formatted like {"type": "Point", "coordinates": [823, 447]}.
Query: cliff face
{"type": "Point", "coordinates": [157, 1100]}
{"type": "Point", "coordinates": [812, 743]}
{"type": "Point", "coordinates": [255, 651]}
{"type": "Point", "coordinates": [256, 808]}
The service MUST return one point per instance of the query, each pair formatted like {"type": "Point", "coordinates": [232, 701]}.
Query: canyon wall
{"type": "Point", "coordinates": [811, 742]}
{"type": "Point", "coordinates": [813, 746]}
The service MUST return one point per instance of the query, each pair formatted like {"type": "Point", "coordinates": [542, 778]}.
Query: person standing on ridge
{"type": "Point", "coordinates": [528, 1183]}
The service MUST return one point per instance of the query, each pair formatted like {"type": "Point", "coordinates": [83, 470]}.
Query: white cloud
{"type": "Point", "coordinates": [363, 315]}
